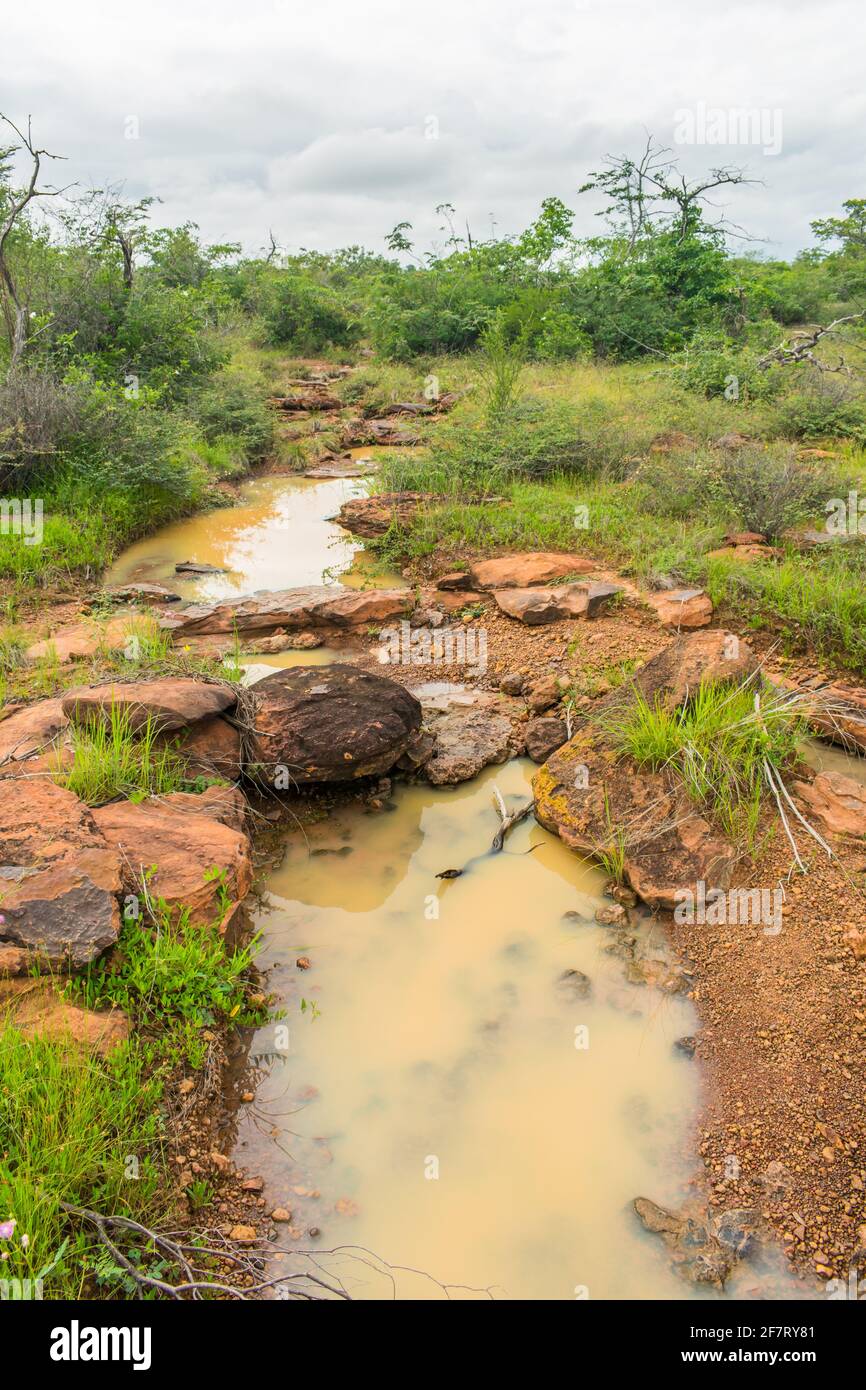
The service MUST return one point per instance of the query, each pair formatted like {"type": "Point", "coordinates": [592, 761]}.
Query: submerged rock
{"type": "Point", "coordinates": [330, 724]}
{"type": "Point", "coordinates": [696, 1254]}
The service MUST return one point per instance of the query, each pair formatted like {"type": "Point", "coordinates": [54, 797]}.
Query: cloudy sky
{"type": "Point", "coordinates": [331, 120]}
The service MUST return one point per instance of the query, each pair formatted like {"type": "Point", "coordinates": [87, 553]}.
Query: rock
{"type": "Point", "coordinates": [148, 593]}
{"type": "Point", "coordinates": [697, 1256]}
{"type": "Point", "coordinates": [212, 748]}
{"type": "Point", "coordinates": [838, 802]}
{"type": "Point", "coordinates": [584, 789]}
{"type": "Point", "coordinates": [746, 553]}
{"type": "Point", "coordinates": [544, 736]}
{"type": "Point", "coordinates": [197, 857]}
{"type": "Point", "coordinates": [373, 516]}
{"type": "Point", "coordinates": [679, 608]}
{"type": "Point", "coordinates": [244, 1235]}
{"type": "Point", "coordinates": [659, 974]}
{"type": "Point", "coordinates": [287, 642]}
{"type": "Point", "coordinates": [678, 671]}
{"type": "Point", "coordinates": [195, 567]}
{"type": "Point", "coordinates": [543, 693]}
{"type": "Point", "coordinates": [511, 683]}
{"type": "Point", "coordinates": [735, 1229]}
{"type": "Point", "coordinates": [228, 805]}
{"type": "Point", "coordinates": [745, 538]}
{"type": "Point", "coordinates": [83, 640]}
{"type": "Point", "coordinates": [524, 571]}
{"type": "Point", "coordinates": [281, 1214]}
{"type": "Point", "coordinates": [169, 704]}
{"type": "Point", "coordinates": [31, 730]}
{"type": "Point", "coordinates": [611, 916]}
{"type": "Point", "coordinates": [36, 1010]}
{"type": "Point", "coordinates": [315, 606]}
{"type": "Point", "coordinates": [457, 579]}
{"type": "Point", "coordinates": [686, 1046]}
{"type": "Point", "coordinates": [466, 741]}
{"type": "Point", "coordinates": [330, 724]}
{"type": "Point", "coordinates": [575, 984]}
{"type": "Point", "coordinates": [59, 877]}
{"type": "Point", "coordinates": [426, 617]}
{"type": "Point", "coordinates": [419, 750]}
{"type": "Point", "coordinates": [838, 713]}
{"type": "Point", "coordinates": [536, 606]}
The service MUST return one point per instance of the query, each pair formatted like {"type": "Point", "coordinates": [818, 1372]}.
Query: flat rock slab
{"type": "Point", "coordinates": [329, 724]}
{"type": "Point", "coordinates": [31, 730]}
{"type": "Point", "coordinates": [682, 608]}
{"type": "Point", "coordinates": [186, 845]}
{"type": "Point", "coordinates": [535, 606]}
{"type": "Point", "coordinates": [168, 704]}
{"type": "Point", "coordinates": [83, 640]}
{"type": "Point", "coordinates": [313, 606]}
{"type": "Point", "coordinates": [144, 593]}
{"type": "Point", "coordinates": [522, 571]}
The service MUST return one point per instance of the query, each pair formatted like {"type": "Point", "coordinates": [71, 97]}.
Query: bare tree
{"type": "Point", "coordinates": [651, 191]}
{"type": "Point", "coordinates": [800, 348]}
{"type": "Point", "coordinates": [15, 311]}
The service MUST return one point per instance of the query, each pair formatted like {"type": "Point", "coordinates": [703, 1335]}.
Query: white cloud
{"type": "Point", "coordinates": [310, 118]}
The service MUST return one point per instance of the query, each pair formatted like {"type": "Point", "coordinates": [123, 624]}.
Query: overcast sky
{"type": "Point", "coordinates": [329, 121]}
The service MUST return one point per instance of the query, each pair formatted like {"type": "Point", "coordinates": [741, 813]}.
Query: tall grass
{"type": "Point", "coordinates": [111, 758]}
{"type": "Point", "coordinates": [719, 744]}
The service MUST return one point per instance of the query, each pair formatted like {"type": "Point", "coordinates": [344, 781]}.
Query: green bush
{"type": "Point", "coordinates": [232, 407]}
{"type": "Point", "coordinates": [822, 407]}
{"type": "Point", "coordinates": [306, 317]}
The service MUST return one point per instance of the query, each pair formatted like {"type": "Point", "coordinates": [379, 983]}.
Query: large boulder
{"type": "Point", "coordinates": [329, 724]}
{"type": "Point", "coordinates": [524, 571]}
{"type": "Point", "coordinates": [198, 857]}
{"type": "Point", "coordinates": [168, 704]}
{"type": "Point", "coordinates": [211, 747]}
{"type": "Point", "coordinates": [314, 606]}
{"type": "Point", "coordinates": [838, 712]}
{"type": "Point", "coordinates": [60, 878]}
{"type": "Point", "coordinates": [85, 639]}
{"type": "Point", "coordinates": [539, 605]}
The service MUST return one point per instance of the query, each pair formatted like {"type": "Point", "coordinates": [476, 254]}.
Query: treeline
{"type": "Point", "coordinates": [127, 386]}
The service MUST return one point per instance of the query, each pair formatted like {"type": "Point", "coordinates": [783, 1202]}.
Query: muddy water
{"type": "Point", "coordinates": [461, 1122]}
{"type": "Point", "coordinates": [276, 536]}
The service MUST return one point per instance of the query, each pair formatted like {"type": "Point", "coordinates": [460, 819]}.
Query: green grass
{"type": "Point", "coordinates": [111, 758]}
{"type": "Point", "coordinates": [74, 1128]}
{"type": "Point", "coordinates": [718, 743]}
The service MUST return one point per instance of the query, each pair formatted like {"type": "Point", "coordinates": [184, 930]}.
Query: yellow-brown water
{"type": "Point", "coordinates": [460, 1123]}
{"type": "Point", "coordinates": [276, 536]}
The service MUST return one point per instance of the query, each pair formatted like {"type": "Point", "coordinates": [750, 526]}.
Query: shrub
{"type": "Point", "coordinates": [231, 406]}
{"type": "Point", "coordinates": [767, 489]}
{"type": "Point", "coordinates": [306, 317]}
{"type": "Point", "coordinates": [823, 407]}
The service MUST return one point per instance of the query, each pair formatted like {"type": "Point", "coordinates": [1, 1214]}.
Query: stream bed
{"type": "Point", "coordinates": [463, 1094]}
